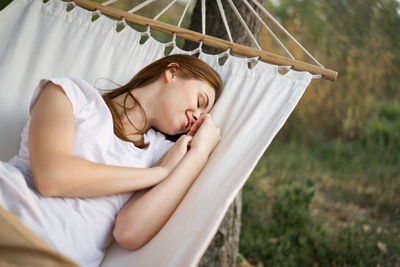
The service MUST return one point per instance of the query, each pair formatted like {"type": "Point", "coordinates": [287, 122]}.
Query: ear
{"type": "Point", "coordinates": [171, 72]}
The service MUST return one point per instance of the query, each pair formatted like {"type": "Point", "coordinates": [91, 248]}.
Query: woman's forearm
{"type": "Point", "coordinates": [69, 176]}
{"type": "Point", "coordinates": [56, 172]}
{"type": "Point", "coordinates": [141, 218]}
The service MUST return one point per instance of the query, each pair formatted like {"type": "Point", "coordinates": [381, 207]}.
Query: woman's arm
{"type": "Point", "coordinates": [56, 172]}
{"type": "Point", "coordinates": [147, 211]}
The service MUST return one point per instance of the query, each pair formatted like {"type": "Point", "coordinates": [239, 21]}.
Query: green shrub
{"type": "Point", "coordinates": [290, 221]}
{"type": "Point", "coordinates": [382, 132]}
{"type": "Point", "coordinates": [284, 239]}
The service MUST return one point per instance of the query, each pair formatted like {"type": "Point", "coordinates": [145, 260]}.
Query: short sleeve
{"type": "Point", "coordinates": [159, 143]}
{"type": "Point", "coordinates": [71, 89]}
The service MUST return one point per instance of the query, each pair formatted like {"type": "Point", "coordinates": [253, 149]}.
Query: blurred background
{"type": "Point", "coordinates": [327, 190]}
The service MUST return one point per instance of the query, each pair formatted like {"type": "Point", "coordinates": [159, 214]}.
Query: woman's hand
{"type": "Point", "coordinates": [206, 135]}
{"type": "Point", "coordinates": [174, 154]}
{"type": "Point", "coordinates": [148, 211]}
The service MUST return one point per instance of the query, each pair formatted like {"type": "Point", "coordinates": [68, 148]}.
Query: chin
{"type": "Point", "coordinates": [173, 135]}
{"type": "Point", "coordinates": [169, 131]}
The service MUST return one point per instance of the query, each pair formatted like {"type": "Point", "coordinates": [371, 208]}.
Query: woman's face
{"type": "Point", "coordinates": [180, 103]}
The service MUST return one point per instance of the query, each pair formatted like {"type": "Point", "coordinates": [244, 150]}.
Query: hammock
{"type": "Point", "coordinates": [42, 40]}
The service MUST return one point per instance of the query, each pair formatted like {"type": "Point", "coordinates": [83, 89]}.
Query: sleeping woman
{"type": "Point", "coordinates": [93, 168]}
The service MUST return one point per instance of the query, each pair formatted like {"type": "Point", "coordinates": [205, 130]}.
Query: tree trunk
{"type": "Point", "coordinates": [224, 248]}
{"type": "Point", "coordinates": [216, 28]}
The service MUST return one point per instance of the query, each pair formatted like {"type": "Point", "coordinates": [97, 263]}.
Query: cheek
{"type": "Point", "coordinates": [168, 118]}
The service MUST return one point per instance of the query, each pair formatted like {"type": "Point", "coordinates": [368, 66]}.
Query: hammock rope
{"type": "Point", "coordinates": [165, 9]}
{"type": "Point", "coordinates": [286, 32]}
{"type": "Point", "coordinates": [268, 29]}
{"type": "Point", "coordinates": [140, 6]}
{"type": "Point", "coordinates": [203, 16]}
{"type": "Point", "coordinates": [222, 12]}
{"type": "Point", "coordinates": [184, 12]}
{"type": "Point", "coordinates": [317, 68]}
{"type": "Point", "coordinates": [241, 20]}
{"type": "Point", "coordinates": [109, 2]}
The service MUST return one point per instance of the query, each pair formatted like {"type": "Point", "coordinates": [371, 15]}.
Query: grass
{"type": "Point", "coordinates": [324, 203]}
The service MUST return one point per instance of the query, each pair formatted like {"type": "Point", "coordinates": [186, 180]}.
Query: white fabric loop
{"type": "Point", "coordinates": [121, 22]}
{"type": "Point", "coordinates": [71, 4]}
{"type": "Point", "coordinates": [146, 33]}
{"type": "Point", "coordinates": [96, 13]}
{"type": "Point", "coordinates": [172, 42]}
{"type": "Point", "coordinates": [226, 53]}
{"type": "Point", "coordinates": [285, 68]}
{"type": "Point", "coordinates": [253, 59]}
{"type": "Point", "coordinates": [198, 49]}
{"type": "Point", "coordinates": [317, 76]}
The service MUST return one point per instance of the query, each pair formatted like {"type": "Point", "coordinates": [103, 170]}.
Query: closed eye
{"type": "Point", "coordinates": [203, 101]}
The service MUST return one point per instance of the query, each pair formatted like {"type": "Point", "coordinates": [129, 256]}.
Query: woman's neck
{"type": "Point", "coordinates": [140, 107]}
{"type": "Point", "coordinates": [133, 117]}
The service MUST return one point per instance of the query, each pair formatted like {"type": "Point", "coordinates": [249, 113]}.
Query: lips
{"type": "Point", "coordinates": [187, 121]}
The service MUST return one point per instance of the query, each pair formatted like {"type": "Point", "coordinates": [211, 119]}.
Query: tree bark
{"type": "Point", "coordinates": [216, 28]}
{"type": "Point", "coordinates": [224, 248]}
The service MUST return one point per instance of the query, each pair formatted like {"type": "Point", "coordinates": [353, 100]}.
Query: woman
{"type": "Point", "coordinates": [83, 155]}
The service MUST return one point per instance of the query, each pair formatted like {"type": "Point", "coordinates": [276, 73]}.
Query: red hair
{"type": "Point", "coordinates": [189, 67]}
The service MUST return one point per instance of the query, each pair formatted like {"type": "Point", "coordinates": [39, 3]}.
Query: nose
{"type": "Point", "coordinates": [196, 115]}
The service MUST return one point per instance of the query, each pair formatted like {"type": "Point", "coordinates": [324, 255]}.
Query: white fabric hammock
{"type": "Point", "coordinates": [44, 40]}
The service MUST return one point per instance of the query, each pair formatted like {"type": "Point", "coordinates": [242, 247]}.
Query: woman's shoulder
{"type": "Point", "coordinates": [77, 90]}
{"type": "Point", "coordinates": [74, 83]}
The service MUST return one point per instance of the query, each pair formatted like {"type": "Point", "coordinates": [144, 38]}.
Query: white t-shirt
{"type": "Point", "coordinates": [80, 228]}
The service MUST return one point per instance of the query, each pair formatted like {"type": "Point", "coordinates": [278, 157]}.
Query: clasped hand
{"type": "Point", "coordinates": [202, 138]}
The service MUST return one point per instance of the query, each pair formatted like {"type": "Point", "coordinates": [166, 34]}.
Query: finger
{"type": "Point", "coordinates": [193, 129]}
{"type": "Point", "coordinates": [196, 126]}
{"type": "Point", "coordinates": [206, 116]}
{"type": "Point", "coordinates": [183, 140]}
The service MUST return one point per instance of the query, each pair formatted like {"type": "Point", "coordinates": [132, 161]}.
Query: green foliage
{"type": "Point", "coordinates": [4, 3]}
{"type": "Point", "coordinates": [290, 242]}
{"type": "Point", "coordinates": [291, 206]}
{"type": "Point", "coordinates": [285, 238]}
{"type": "Point", "coordinates": [360, 40]}
{"type": "Point", "coordinates": [382, 132]}
{"type": "Point", "coordinates": [324, 219]}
